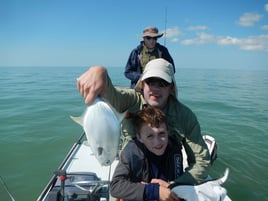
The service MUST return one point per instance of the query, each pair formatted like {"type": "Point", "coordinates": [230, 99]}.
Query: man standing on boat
{"type": "Point", "coordinates": [156, 87]}
{"type": "Point", "coordinates": [147, 50]}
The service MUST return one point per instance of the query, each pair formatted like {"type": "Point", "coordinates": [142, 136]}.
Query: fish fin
{"type": "Point", "coordinates": [225, 176]}
{"type": "Point", "coordinates": [78, 120]}
{"type": "Point", "coordinates": [121, 116]}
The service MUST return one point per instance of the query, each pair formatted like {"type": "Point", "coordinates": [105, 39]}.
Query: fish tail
{"type": "Point", "coordinates": [77, 120]}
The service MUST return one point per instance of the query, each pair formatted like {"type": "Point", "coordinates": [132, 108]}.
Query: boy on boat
{"type": "Point", "coordinates": [148, 162]}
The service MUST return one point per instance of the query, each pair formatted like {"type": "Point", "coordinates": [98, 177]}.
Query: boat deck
{"type": "Point", "coordinates": [84, 160]}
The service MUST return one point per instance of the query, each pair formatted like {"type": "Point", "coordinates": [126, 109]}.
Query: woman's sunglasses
{"type": "Point", "coordinates": [156, 82]}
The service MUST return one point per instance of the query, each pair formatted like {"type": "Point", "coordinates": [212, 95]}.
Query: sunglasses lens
{"type": "Point", "coordinates": [149, 38]}
{"type": "Point", "coordinates": [157, 82]}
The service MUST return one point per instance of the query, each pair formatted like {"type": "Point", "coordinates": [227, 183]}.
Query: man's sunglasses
{"type": "Point", "coordinates": [157, 82]}
{"type": "Point", "coordinates": [149, 38]}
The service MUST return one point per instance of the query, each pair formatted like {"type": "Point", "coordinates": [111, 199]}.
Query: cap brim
{"type": "Point", "coordinates": [158, 74]}
{"type": "Point", "coordinates": [152, 35]}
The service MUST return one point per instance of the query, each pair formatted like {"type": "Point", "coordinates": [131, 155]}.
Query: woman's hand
{"type": "Point", "coordinates": [92, 83]}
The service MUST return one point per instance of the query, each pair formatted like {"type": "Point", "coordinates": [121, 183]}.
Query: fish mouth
{"type": "Point", "coordinates": [100, 151]}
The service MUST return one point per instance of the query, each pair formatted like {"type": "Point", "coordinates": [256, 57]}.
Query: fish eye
{"type": "Point", "coordinates": [107, 162]}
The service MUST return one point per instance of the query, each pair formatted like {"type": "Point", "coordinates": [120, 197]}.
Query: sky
{"type": "Point", "coordinates": [226, 34]}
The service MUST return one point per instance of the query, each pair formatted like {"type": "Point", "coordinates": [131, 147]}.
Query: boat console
{"type": "Point", "coordinates": [79, 187]}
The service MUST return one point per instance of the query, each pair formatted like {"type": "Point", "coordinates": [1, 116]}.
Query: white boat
{"type": "Point", "coordinates": [80, 177]}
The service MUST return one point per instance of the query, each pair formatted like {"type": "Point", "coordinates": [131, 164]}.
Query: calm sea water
{"type": "Point", "coordinates": [36, 131]}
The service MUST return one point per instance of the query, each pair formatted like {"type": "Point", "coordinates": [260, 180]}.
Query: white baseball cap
{"type": "Point", "coordinates": [159, 68]}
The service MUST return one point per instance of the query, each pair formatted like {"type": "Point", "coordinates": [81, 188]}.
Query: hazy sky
{"type": "Point", "coordinates": [199, 34]}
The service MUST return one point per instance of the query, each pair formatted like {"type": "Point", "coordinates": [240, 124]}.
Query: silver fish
{"type": "Point", "coordinates": [208, 191]}
{"type": "Point", "coordinates": [101, 124]}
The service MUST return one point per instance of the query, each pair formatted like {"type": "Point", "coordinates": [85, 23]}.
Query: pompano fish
{"type": "Point", "coordinates": [208, 191]}
{"type": "Point", "coordinates": [101, 124]}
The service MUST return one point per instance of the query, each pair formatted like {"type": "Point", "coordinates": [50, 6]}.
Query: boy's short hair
{"type": "Point", "coordinates": [149, 115]}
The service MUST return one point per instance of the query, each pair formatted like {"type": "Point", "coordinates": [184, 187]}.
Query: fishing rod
{"type": "Point", "coordinates": [165, 26]}
{"type": "Point", "coordinates": [6, 188]}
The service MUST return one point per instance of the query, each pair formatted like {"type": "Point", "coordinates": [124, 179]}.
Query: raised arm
{"type": "Point", "coordinates": [92, 83]}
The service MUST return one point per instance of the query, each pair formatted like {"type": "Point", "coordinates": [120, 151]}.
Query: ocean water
{"type": "Point", "coordinates": [36, 131]}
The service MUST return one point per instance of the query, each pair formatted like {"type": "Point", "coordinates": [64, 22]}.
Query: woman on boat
{"type": "Point", "coordinates": [149, 162]}
{"type": "Point", "coordinates": [147, 50]}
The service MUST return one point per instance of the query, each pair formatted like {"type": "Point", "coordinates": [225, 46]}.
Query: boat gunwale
{"type": "Point", "coordinates": [53, 179]}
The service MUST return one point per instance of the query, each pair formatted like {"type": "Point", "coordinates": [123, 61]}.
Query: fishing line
{"type": "Point", "coordinates": [6, 188]}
